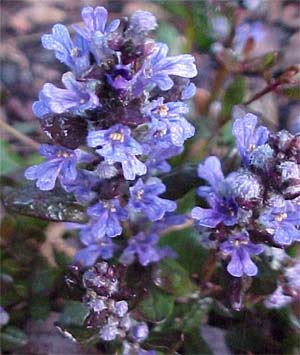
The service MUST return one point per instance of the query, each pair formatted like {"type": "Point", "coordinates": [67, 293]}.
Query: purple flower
{"type": "Point", "coordinates": [255, 30]}
{"type": "Point", "coordinates": [95, 31]}
{"type": "Point", "coordinates": [282, 221]}
{"type": "Point", "coordinates": [247, 189]}
{"type": "Point", "coordinates": [188, 92]}
{"type": "Point", "coordinates": [82, 186]}
{"type": "Point", "coordinates": [159, 148]}
{"type": "Point", "coordinates": [168, 119]}
{"type": "Point", "coordinates": [142, 22]}
{"type": "Point", "coordinates": [87, 256]}
{"type": "Point", "coordinates": [118, 146]}
{"type": "Point", "coordinates": [239, 247]}
{"type": "Point", "coordinates": [278, 299]}
{"type": "Point", "coordinates": [76, 96]}
{"type": "Point", "coordinates": [222, 210]}
{"type": "Point", "coordinates": [129, 349]}
{"type": "Point", "coordinates": [144, 246]}
{"type": "Point", "coordinates": [247, 136]}
{"type": "Point", "coordinates": [4, 317]}
{"type": "Point", "coordinates": [61, 162]}
{"type": "Point", "coordinates": [109, 214]}
{"type": "Point", "coordinates": [139, 332]}
{"type": "Point", "coordinates": [144, 198]}
{"type": "Point", "coordinates": [211, 172]}
{"type": "Point", "coordinates": [157, 69]}
{"type": "Point", "coordinates": [120, 78]}
{"type": "Point", "coordinates": [219, 196]}
{"type": "Point", "coordinates": [169, 220]}
{"type": "Point", "coordinates": [74, 55]}
{"type": "Point", "coordinates": [261, 157]}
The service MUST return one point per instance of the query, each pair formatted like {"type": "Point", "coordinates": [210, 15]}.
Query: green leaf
{"type": "Point", "coordinates": [263, 63]}
{"type": "Point", "coordinates": [194, 343]}
{"type": "Point", "coordinates": [167, 341]}
{"type": "Point", "coordinates": [187, 316]}
{"type": "Point", "coordinates": [55, 205]}
{"type": "Point", "coordinates": [74, 314]}
{"type": "Point", "coordinates": [170, 35]}
{"type": "Point", "coordinates": [156, 306]}
{"type": "Point", "coordinates": [266, 283]}
{"type": "Point", "coordinates": [199, 22]}
{"type": "Point", "coordinates": [10, 266]}
{"type": "Point", "coordinates": [292, 93]}
{"type": "Point", "coordinates": [180, 181]}
{"type": "Point", "coordinates": [43, 277]}
{"type": "Point", "coordinates": [40, 307]}
{"type": "Point", "coordinates": [62, 260]}
{"type": "Point", "coordinates": [190, 254]}
{"type": "Point", "coordinates": [187, 202]}
{"type": "Point", "coordinates": [70, 323]}
{"type": "Point", "coordinates": [174, 7]}
{"type": "Point", "coordinates": [9, 160]}
{"type": "Point", "coordinates": [172, 278]}
{"type": "Point", "coordinates": [12, 338]}
{"type": "Point", "coordinates": [234, 95]}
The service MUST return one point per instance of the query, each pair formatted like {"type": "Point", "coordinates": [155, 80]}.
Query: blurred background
{"type": "Point", "coordinates": [248, 58]}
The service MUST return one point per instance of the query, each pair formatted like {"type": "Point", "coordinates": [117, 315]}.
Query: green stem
{"type": "Point", "coordinates": [16, 134]}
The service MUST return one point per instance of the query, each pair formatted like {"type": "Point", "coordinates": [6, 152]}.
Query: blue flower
{"type": "Point", "coordinates": [144, 246]}
{"type": "Point", "coordinates": [76, 96]}
{"type": "Point", "coordinates": [247, 189]}
{"type": "Point", "coordinates": [157, 69]}
{"type": "Point", "coordinates": [118, 146]}
{"type": "Point", "coordinates": [139, 332]}
{"type": "Point", "coordinates": [256, 30]}
{"type": "Point", "coordinates": [82, 186]}
{"type": "Point", "coordinates": [168, 221]}
{"type": "Point", "coordinates": [158, 150]}
{"type": "Point", "coordinates": [188, 92]}
{"type": "Point", "coordinates": [282, 220]}
{"type": "Point", "coordinates": [96, 31]}
{"type": "Point", "coordinates": [134, 348]}
{"type": "Point", "coordinates": [142, 22]}
{"type": "Point", "coordinates": [168, 119]}
{"type": "Point", "coordinates": [103, 248]}
{"type": "Point", "coordinates": [120, 78]}
{"type": "Point", "coordinates": [219, 196]}
{"type": "Point", "coordinates": [109, 214]}
{"type": "Point", "coordinates": [211, 172]}
{"type": "Point", "coordinates": [247, 136]}
{"type": "Point", "coordinates": [239, 247]}
{"type": "Point", "coordinates": [144, 198]}
{"type": "Point", "coordinates": [261, 158]}
{"type": "Point", "coordinates": [74, 55]}
{"type": "Point", "coordinates": [222, 210]}
{"type": "Point", "coordinates": [4, 317]}
{"type": "Point", "coordinates": [61, 162]}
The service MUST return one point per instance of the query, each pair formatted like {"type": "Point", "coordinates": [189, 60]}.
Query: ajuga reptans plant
{"type": "Point", "coordinates": [112, 129]}
{"type": "Point", "coordinates": [258, 205]}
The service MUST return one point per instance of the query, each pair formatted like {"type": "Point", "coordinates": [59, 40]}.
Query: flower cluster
{"type": "Point", "coordinates": [106, 299]}
{"type": "Point", "coordinates": [112, 127]}
{"type": "Point", "coordinates": [288, 286]}
{"type": "Point", "coordinates": [259, 203]}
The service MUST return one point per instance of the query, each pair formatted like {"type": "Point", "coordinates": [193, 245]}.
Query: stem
{"type": "Point", "coordinates": [209, 266]}
{"type": "Point", "coordinates": [266, 90]}
{"type": "Point", "coordinates": [16, 134]}
{"type": "Point", "coordinates": [285, 78]}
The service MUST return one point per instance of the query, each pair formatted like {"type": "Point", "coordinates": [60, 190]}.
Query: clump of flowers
{"type": "Point", "coordinates": [112, 127]}
{"type": "Point", "coordinates": [107, 299]}
{"type": "Point", "coordinates": [256, 206]}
